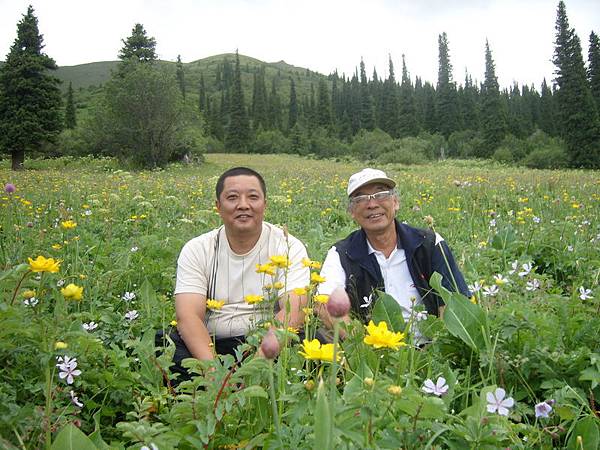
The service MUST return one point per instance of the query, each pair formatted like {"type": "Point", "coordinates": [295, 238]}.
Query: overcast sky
{"type": "Point", "coordinates": [321, 35]}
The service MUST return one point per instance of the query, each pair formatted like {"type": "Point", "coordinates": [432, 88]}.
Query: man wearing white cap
{"type": "Point", "coordinates": [387, 255]}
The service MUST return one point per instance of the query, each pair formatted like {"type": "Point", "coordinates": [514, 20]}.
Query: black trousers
{"type": "Point", "coordinates": [224, 346]}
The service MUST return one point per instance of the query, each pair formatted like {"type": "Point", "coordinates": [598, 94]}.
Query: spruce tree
{"type": "Point", "coordinates": [367, 110]}
{"type": "Point", "coordinates": [180, 76]}
{"type": "Point", "coordinates": [30, 99]}
{"type": "Point", "coordinates": [594, 68]}
{"type": "Point", "coordinates": [202, 99]}
{"type": "Point", "coordinates": [139, 46]}
{"type": "Point", "coordinates": [259, 101]}
{"type": "Point", "coordinates": [447, 114]}
{"type": "Point", "coordinates": [547, 121]}
{"type": "Point", "coordinates": [323, 106]}
{"type": "Point", "coordinates": [293, 106]}
{"type": "Point", "coordinates": [70, 116]}
{"type": "Point", "coordinates": [493, 112]}
{"type": "Point", "coordinates": [390, 110]}
{"type": "Point", "coordinates": [407, 121]}
{"type": "Point", "coordinates": [274, 107]}
{"type": "Point", "coordinates": [469, 107]}
{"type": "Point", "coordinates": [576, 110]}
{"type": "Point", "coordinates": [237, 138]}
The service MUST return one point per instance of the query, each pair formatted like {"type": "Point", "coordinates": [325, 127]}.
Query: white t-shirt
{"type": "Point", "coordinates": [208, 266]}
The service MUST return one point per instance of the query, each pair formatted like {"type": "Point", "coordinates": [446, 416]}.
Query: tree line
{"type": "Point", "coordinates": [149, 115]}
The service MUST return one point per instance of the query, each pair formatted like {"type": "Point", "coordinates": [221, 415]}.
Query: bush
{"type": "Point", "coordinates": [407, 151]}
{"type": "Point", "coordinates": [547, 157]}
{"type": "Point", "coordinates": [271, 141]}
{"type": "Point", "coordinates": [503, 155]}
{"type": "Point", "coordinates": [368, 145]}
{"type": "Point", "coordinates": [518, 148]}
{"type": "Point", "coordinates": [464, 144]}
{"type": "Point", "coordinates": [323, 145]}
{"type": "Point", "coordinates": [73, 143]}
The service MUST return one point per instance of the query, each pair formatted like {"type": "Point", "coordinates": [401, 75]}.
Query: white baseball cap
{"type": "Point", "coordinates": [368, 176]}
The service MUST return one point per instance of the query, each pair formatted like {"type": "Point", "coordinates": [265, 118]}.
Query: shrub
{"type": "Point", "coordinates": [271, 141]}
{"type": "Point", "coordinates": [368, 145]}
{"type": "Point", "coordinates": [324, 145]}
{"type": "Point", "coordinates": [547, 157]}
{"type": "Point", "coordinates": [407, 151]}
{"type": "Point", "coordinates": [464, 144]}
{"type": "Point", "coordinates": [503, 154]}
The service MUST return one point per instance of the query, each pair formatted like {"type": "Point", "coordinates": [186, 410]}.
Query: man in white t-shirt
{"type": "Point", "coordinates": [221, 266]}
{"type": "Point", "coordinates": [387, 255]}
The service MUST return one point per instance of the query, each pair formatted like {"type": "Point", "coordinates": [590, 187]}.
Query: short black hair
{"type": "Point", "coordinates": [234, 172]}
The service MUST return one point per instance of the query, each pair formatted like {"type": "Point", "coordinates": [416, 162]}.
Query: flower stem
{"type": "Point", "coordinates": [274, 401]}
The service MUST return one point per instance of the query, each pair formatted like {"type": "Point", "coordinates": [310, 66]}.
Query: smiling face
{"type": "Point", "coordinates": [374, 216]}
{"type": "Point", "coordinates": [241, 205]}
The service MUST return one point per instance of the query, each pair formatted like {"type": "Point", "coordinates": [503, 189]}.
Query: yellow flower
{"type": "Point", "coordinates": [380, 337]}
{"type": "Point", "coordinates": [72, 292]}
{"type": "Point", "coordinates": [173, 323]}
{"type": "Point", "coordinates": [60, 345]}
{"type": "Point", "coordinates": [56, 246]}
{"type": "Point", "coordinates": [394, 390]}
{"type": "Point", "coordinates": [267, 268]}
{"type": "Point", "coordinates": [310, 263]}
{"type": "Point", "coordinates": [253, 299]}
{"type": "Point", "coordinates": [215, 305]}
{"type": "Point", "coordinates": [280, 261]}
{"type": "Point", "coordinates": [369, 381]}
{"type": "Point", "coordinates": [278, 285]}
{"type": "Point", "coordinates": [321, 298]}
{"type": "Point", "coordinates": [300, 291]}
{"type": "Point", "coordinates": [68, 224]}
{"type": "Point", "coordinates": [305, 310]}
{"type": "Point", "coordinates": [316, 278]}
{"type": "Point", "coordinates": [28, 294]}
{"type": "Point", "coordinates": [41, 264]}
{"type": "Point", "coordinates": [292, 330]}
{"type": "Point", "coordinates": [314, 350]}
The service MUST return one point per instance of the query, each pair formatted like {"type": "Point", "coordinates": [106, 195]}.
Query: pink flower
{"type": "Point", "coordinates": [9, 188]}
{"type": "Point", "coordinates": [497, 402]}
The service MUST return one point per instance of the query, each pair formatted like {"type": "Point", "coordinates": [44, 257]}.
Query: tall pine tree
{"type": "Point", "coordinates": [390, 111]}
{"type": "Point", "coordinates": [138, 47]}
{"type": "Point", "coordinates": [407, 121]}
{"type": "Point", "coordinates": [578, 117]}
{"type": "Point", "coordinates": [180, 76]}
{"type": "Point", "coordinates": [237, 138]}
{"type": "Point", "coordinates": [447, 117]}
{"type": "Point", "coordinates": [594, 68]}
{"type": "Point", "coordinates": [367, 110]}
{"type": "Point", "coordinates": [493, 112]}
{"type": "Point", "coordinates": [293, 106]}
{"type": "Point", "coordinates": [30, 99]}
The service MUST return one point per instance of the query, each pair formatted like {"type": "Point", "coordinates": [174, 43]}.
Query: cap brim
{"type": "Point", "coordinates": [387, 181]}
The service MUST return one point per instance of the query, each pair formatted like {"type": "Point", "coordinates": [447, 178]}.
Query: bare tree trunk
{"type": "Point", "coordinates": [18, 158]}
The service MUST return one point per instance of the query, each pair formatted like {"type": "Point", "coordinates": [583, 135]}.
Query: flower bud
{"type": "Point", "coordinates": [309, 385]}
{"type": "Point", "coordinates": [338, 304]}
{"type": "Point", "coordinates": [394, 390]}
{"type": "Point", "coordinates": [369, 381]}
{"type": "Point", "coordinates": [270, 345]}
{"type": "Point", "coordinates": [9, 188]}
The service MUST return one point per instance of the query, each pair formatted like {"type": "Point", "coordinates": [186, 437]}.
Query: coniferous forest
{"type": "Point", "coordinates": [148, 112]}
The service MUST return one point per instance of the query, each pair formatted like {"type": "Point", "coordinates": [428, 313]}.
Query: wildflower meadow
{"type": "Point", "coordinates": [87, 265]}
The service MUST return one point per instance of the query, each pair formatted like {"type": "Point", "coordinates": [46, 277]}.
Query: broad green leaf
{"type": "Point", "coordinates": [148, 296]}
{"type": "Point", "coordinates": [322, 419]}
{"type": "Point", "coordinates": [590, 374]}
{"type": "Point", "coordinates": [463, 319]}
{"type": "Point", "coordinates": [254, 391]}
{"type": "Point", "coordinates": [388, 310]}
{"type": "Point", "coordinates": [587, 428]}
{"type": "Point", "coordinates": [72, 438]}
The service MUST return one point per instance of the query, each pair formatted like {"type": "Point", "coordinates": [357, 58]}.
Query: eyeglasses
{"type": "Point", "coordinates": [377, 196]}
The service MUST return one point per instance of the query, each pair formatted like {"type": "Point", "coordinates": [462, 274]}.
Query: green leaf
{"type": "Point", "coordinates": [322, 419]}
{"type": "Point", "coordinates": [463, 319]}
{"type": "Point", "coordinates": [587, 428]}
{"type": "Point", "coordinates": [148, 296]}
{"type": "Point", "coordinates": [254, 391]}
{"type": "Point", "coordinates": [388, 310]}
{"type": "Point", "coordinates": [590, 374]}
{"type": "Point", "coordinates": [72, 438]}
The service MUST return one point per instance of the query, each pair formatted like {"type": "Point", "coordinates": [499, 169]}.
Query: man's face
{"type": "Point", "coordinates": [242, 204]}
{"type": "Point", "coordinates": [373, 215]}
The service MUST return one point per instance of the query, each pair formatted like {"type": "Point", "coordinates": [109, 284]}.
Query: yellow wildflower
{"type": "Point", "coordinates": [41, 264]}
{"type": "Point", "coordinates": [60, 345]}
{"type": "Point", "coordinates": [278, 285]}
{"type": "Point", "coordinates": [314, 350]}
{"type": "Point", "coordinates": [267, 268]}
{"type": "Point", "coordinates": [56, 246]}
{"type": "Point", "coordinates": [321, 298]}
{"type": "Point", "coordinates": [173, 323]}
{"type": "Point", "coordinates": [72, 292]}
{"type": "Point", "coordinates": [310, 263]}
{"type": "Point", "coordinates": [292, 330]}
{"type": "Point", "coordinates": [253, 299]}
{"type": "Point", "coordinates": [300, 291]}
{"type": "Point", "coordinates": [280, 261]}
{"type": "Point", "coordinates": [380, 337]}
{"type": "Point", "coordinates": [28, 294]}
{"type": "Point", "coordinates": [394, 390]}
{"type": "Point", "coordinates": [216, 305]}
{"type": "Point", "coordinates": [68, 224]}
{"type": "Point", "coordinates": [305, 310]}
{"type": "Point", "coordinates": [316, 278]}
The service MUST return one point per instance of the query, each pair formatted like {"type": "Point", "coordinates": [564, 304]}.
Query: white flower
{"type": "Point", "coordinates": [367, 301]}
{"type": "Point", "coordinates": [89, 326]}
{"type": "Point", "coordinates": [87, 212]}
{"type": "Point", "coordinates": [515, 267]}
{"type": "Point", "coordinates": [75, 400]}
{"type": "Point", "coordinates": [533, 285]}
{"type": "Point", "coordinates": [134, 249]}
{"type": "Point", "coordinates": [542, 409]}
{"type": "Point", "coordinates": [491, 291]}
{"type": "Point", "coordinates": [60, 283]}
{"type": "Point", "coordinates": [30, 301]}
{"type": "Point", "coordinates": [537, 219]}
{"type": "Point", "coordinates": [499, 279]}
{"type": "Point", "coordinates": [527, 268]}
{"type": "Point", "coordinates": [584, 293]}
{"type": "Point", "coordinates": [131, 315]}
{"type": "Point", "coordinates": [67, 369]}
{"type": "Point", "coordinates": [493, 223]}
{"type": "Point", "coordinates": [128, 296]}
{"type": "Point", "coordinates": [421, 315]}
{"type": "Point", "coordinates": [497, 402]}
{"type": "Point", "coordinates": [152, 445]}
{"type": "Point", "coordinates": [570, 248]}
{"type": "Point", "coordinates": [439, 388]}
{"type": "Point", "coordinates": [475, 287]}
